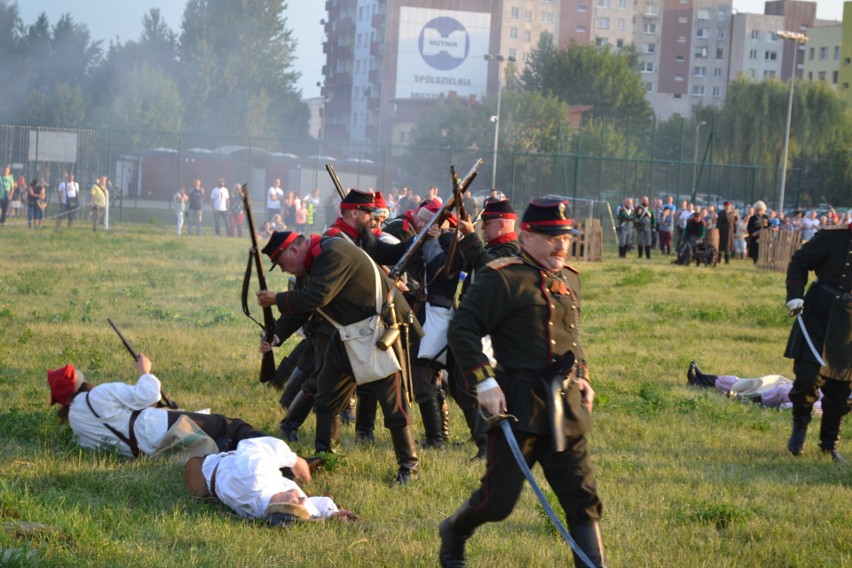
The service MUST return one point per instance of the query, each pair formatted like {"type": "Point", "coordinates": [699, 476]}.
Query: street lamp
{"type": "Point", "coordinates": [496, 118]}
{"type": "Point", "coordinates": [695, 159]}
{"type": "Point", "coordinates": [800, 39]}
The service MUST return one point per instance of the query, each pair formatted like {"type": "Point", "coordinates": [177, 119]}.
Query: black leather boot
{"type": "Point", "coordinates": [588, 538]}
{"type": "Point", "coordinates": [297, 413]}
{"type": "Point", "coordinates": [471, 416]}
{"type": "Point", "coordinates": [829, 435]}
{"type": "Point", "coordinates": [648, 252]}
{"type": "Point", "coordinates": [800, 431]}
{"type": "Point", "coordinates": [430, 412]}
{"type": "Point", "coordinates": [328, 432]}
{"type": "Point", "coordinates": [365, 419]}
{"type": "Point", "coordinates": [622, 251]}
{"type": "Point", "coordinates": [640, 251]}
{"type": "Point", "coordinates": [454, 532]}
{"type": "Point", "coordinates": [695, 377]}
{"type": "Point", "coordinates": [406, 455]}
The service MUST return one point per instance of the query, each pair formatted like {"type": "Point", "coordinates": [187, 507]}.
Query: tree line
{"type": "Point", "coordinates": [229, 70]}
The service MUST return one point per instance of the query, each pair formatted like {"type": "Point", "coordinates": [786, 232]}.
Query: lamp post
{"type": "Point", "coordinates": [799, 39]}
{"type": "Point", "coordinates": [695, 159]}
{"type": "Point", "coordinates": [496, 118]}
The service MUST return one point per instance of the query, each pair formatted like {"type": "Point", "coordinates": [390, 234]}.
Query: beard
{"type": "Point", "coordinates": [368, 239]}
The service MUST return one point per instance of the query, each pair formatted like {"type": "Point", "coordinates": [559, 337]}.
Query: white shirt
{"type": "Point", "coordinates": [114, 403]}
{"type": "Point", "coordinates": [71, 189]}
{"type": "Point", "coordinates": [274, 192]}
{"type": "Point", "coordinates": [247, 478]}
{"type": "Point", "coordinates": [219, 195]}
{"type": "Point", "coordinates": [684, 216]}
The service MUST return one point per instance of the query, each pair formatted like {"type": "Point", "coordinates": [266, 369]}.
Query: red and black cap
{"type": "Point", "coordinates": [278, 243]}
{"type": "Point", "coordinates": [356, 199]}
{"type": "Point", "coordinates": [498, 209]}
{"type": "Point", "coordinates": [547, 216]}
{"type": "Point", "coordinates": [381, 206]}
{"type": "Point", "coordinates": [433, 206]}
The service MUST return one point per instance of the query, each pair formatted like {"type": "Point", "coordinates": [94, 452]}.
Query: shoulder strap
{"type": "Point", "coordinates": [131, 442]}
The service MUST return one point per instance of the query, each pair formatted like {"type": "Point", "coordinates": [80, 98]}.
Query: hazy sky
{"type": "Point", "coordinates": [122, 19]}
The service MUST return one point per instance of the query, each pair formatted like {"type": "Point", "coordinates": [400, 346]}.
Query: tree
{"type": "Point", "coordinates": [589, 75]}
{"type": "Point", "coordinates": [236, 64]}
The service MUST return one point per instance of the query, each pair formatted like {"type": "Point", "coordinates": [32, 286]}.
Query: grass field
{"type": "Point", "coordinates": [688, 477]}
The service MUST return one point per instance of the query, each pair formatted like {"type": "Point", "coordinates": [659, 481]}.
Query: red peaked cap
{"type": "Point", "coordinates": [434, 206]}
{"type": "Point", "coordinates": [63, 384]}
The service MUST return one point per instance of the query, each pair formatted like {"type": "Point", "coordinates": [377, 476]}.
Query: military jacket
{"type": "Point", "coordinates": [477, 255]}
{"type": "Point", "coordinates": [827, 313]}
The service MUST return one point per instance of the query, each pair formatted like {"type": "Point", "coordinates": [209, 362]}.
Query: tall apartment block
{"type": "Point", "coordinates": [845, 75]}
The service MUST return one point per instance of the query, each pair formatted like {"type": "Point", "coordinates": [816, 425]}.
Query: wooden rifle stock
{"type": "Point", "coordinates": [135, 354]}
{"type": "Point", "coordinates": [335, 180]}
{"type": "Point", "coordinates": [437, 219]}
{"type": "Point", "coordinates": [462, 215]}
{"type": "Point", "coordinates": [267, 365]}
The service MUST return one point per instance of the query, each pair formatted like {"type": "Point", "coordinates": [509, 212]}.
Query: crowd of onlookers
{"type": "Point", "coordinates": [657, 223]}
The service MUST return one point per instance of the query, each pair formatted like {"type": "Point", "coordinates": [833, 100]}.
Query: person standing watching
{"type": "Point", "coordinates": [826, 311]}
{"type": "Point", "coordinates": [35, 203]}
{"type": "Point", "coordinates": [7, 191]}
{"type": "Point", "coordinates": [530, 306]}
{"type": "Point", "coordinates": [99, 198]}
{"type": "Point", "coordinates": [756, 223]}
{"type": "Point", "coordinates": [219, 196]}
{"type": "Point", "coordinates": [196, 199]}
{"type": "Point", "coordinates": [726, 223]}
{"type": "Point", "coordinates": [72, 199]}
{"type": "Point", "coordinates": [179, 200]}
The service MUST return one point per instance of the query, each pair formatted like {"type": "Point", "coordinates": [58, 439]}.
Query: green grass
{"type": "Point", "coordinates": [688, 478]}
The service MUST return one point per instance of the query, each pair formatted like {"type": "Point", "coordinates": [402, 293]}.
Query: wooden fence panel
{"type": "Point", "coordinates": [589, 245]}
{"type": "Point", "coordinates": [776, 249]}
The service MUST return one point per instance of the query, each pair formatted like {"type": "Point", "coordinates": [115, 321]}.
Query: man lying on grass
{"type": "Point", "coordinates": [126, 417]}
{"type": "Point", "coordinates": [250, 482]}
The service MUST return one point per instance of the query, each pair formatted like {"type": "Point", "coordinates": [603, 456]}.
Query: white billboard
{"type": "Point", "coordinates": [442, 51]}
{"type": "Point", "coordinates": [52, 146]}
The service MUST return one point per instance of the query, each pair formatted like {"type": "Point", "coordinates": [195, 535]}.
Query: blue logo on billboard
{"type": "Point", "coordinates": [444, 43]}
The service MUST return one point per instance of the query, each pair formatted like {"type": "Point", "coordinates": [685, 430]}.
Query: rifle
{"type": "Point", "coordinates": [335, 180]}
{"type": "Point", "coordinates": [135, 354]}
{"type": "Point", "coordinates": [267, 364]}
{"type": "Point", "coordinates": [462, 215]}
{"type": "Point", "coordinates": [438, 218]}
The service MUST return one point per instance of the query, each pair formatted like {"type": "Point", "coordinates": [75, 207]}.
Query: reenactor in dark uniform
{"type": "Point", "coordinates": [530, 306]}
{"type": "Point", "coordinates": [341, 283]}
{"type": "Point", "coordinates": [626, 216]}
{"type": "Point", "coordinates": [726, 223]}
{"type": "Point", "coordinates": [756, 222]}
{"type": "Point", "coordinates": [826, 310]}
{"type": "Point", "coordinates": [498, 227]}
{"type": "Point", "coordinates": [646, 227]}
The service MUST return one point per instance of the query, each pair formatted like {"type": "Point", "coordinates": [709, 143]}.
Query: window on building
{"type": "Point", "coordinates": [811, 53]}
{"type": "Point", "coordinates": [701, 53]}
{"type": "Point", "coordinates": [810, 75]}
{"type": "Point", "coordinates": [821, 75]}
{"type": "Point", "coordinates": [847, 61]}
{"type": "Point", "coordinates": [526, 57]}
{"type": "Point", "coordinates": [650, 9]}
{"type": "Point", "coordinates": [622, 4]}
{"type": "Point", "coordinates": [770, 56]}
{"type": "Point", "coordinates": [581, 29]}
{"type": "Point", "coordinates": [650, 28]}
{"type": "Point", "coordinates": [604, 3]}
{"type": "Point", "coordinates": [619, 42]}
{"type": "Point", "coordinates": [528, 36]}
{"type": "Point", "coordinates": [646, 67]}
{"type": "Point", "coordinates": [513, 53]}
{"type": "Point", "coordinates": [702, 14]}
{"type": "Point", "coordinates": [649, 47]}
{"type": "Point", "coordinates": [771, 36]}
{"type": "Point", "coordinates": [834, 76]}
{"type": "Point", "coordinates": [699, 71]}
{"type": "Point", "coordinates": [682, 19]}
{"type": "Point", "coordinates": [582, 8]}
{"type": "Point", "coordinates": [680, 58]}
{"type": "Point", "coordinates": [720, 53]}
{"type": "Point", "coordinates": [702, 32]}
{"type": "Point", "coordinates": [547, 17]}
{"type": "Point", "coordinates": [621, 23]}
{"type": "Point", "coordinates": [602, 23]}
{"type": "Point", "coordinates": [836, 52]}
{"type": "Point", "coordinates": [681, 39]}
{"type": "Point", "coordinates": [720, 33]}
{"type": "Point", "coordinates": [717, 92]}
{"type": "Point", "coordinates": [723, 14]}
{"type": "Point", "coordinates": [528, 16]}
{"type": "Point", "coordinates": [516, 12]}
{"type": "Point", "coordinates": [601, 41]}
{"type": "Point", "coordinates": [513, 33]}
{"type": "Point", "coordinates": [823, 53]}
{"type": "Point", "coordinates": [845, 86]}
{"type": "Point", "coordinates": [677, 96]}
{"type": "Point", "coordinates": [755, 34]}
{"type": "Point", "coordinates": [768, 73]}
{"type": "Point", "coordinates": [698, 90]}
{"type": "Point", "coordinates": [678, 77]}
{"type": "Point", "coordinates": [649, 86]}
{"type": "Point", "coordinates": [717, 72]}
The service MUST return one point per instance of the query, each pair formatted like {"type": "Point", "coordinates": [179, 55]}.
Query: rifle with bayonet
{"type": "Point", "coordinates": [267, 364]}
{"type": "Point", "coordinates": [335, 180]}
{"type": "Point", "coordinates": [135, 354]}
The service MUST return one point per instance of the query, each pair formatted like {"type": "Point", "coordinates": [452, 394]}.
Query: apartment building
{"type": "Point", "coordinates": [822, 54]}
